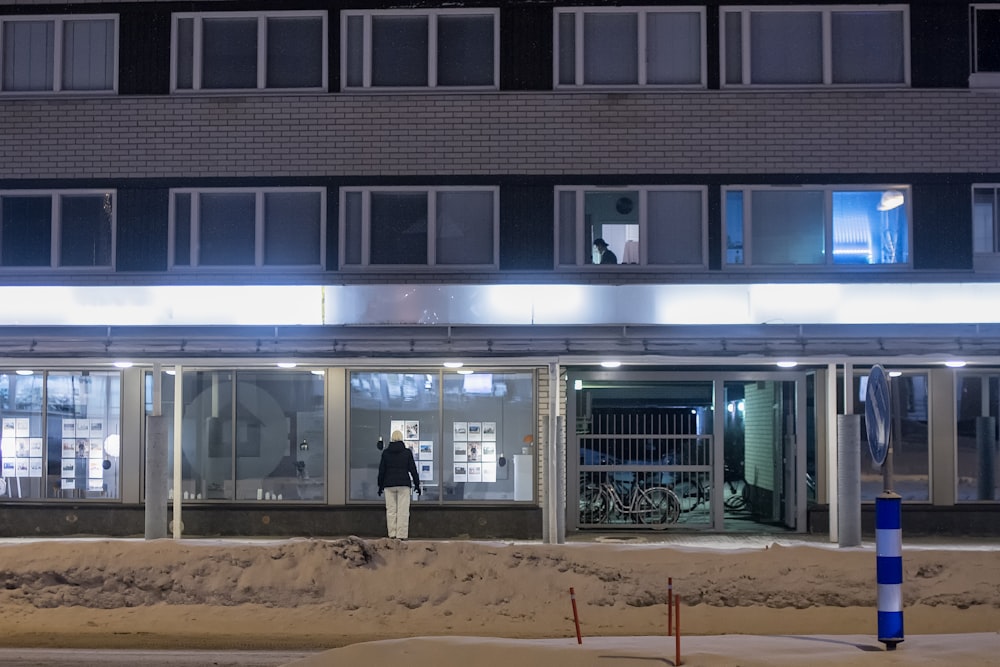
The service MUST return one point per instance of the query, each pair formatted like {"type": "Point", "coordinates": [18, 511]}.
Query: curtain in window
{"type": "Point", "coordinates": [674, 228]}
{"type": "Point", "coordinates": [464, 228]}
{"type": "Point", "coordinates": [28, 55]}
{"type": "Point", "coordinates": [88, 55]}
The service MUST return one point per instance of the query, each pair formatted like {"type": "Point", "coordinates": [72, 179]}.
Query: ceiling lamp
{"type": "Point", "coordinates": [890, 199]}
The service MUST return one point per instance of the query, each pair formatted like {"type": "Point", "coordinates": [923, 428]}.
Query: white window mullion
{"type": "Point", "coordinates": [641, 42]}
{"type": "Point", "coordinates": [745, 16]}
{"type": "Point", "coordinates": [262, 52]}
{"type": "Point", "coordinates": [580, 237]}
{"type": "Point", "coordinates": [54, 243]}
{"type": "Point", "coordinates": [258, 246]}
{"type": "Point", "coordinates": [747, 228]}
{"type": "Point", "coordinates": [643, 226]}
{"type": "Point", "coordinates": [195, 235]}
{"type": "Point", "coordinates": [196, 53]}
{"type": "Point", "coordinates": [578, 48]}
{"type": "Point", "coordinates": [827, 48]}
{"type": "Point", "coordinates": [57, 55]}
{"type": "Point", "coordinates": [828, 225]}
{"type": "Point", "coordinates": [366, 56]}
{"type": "Point", "coordinates": [431, 227]}
{"type": "Point", "coordinates": [366, 227]}
{"type": "Point", "coordinates": [432, 37]}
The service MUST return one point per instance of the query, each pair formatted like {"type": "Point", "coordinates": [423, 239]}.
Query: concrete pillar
{"type": "Point", "coordinates": [849, 479]}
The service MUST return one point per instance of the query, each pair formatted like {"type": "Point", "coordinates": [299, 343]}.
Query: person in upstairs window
{"type": "Point", "coordinates": [604, 252]}
{"type": "Point", "coordinates": [396, 469]}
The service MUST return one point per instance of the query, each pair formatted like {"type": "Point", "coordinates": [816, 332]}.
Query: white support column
{"type": "Point", "coordinates": [178, 449]}
{"type": "Point", "coordinates": [831, 449]}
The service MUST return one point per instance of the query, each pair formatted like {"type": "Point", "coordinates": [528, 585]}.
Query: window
{"type": "Point", "coordinates": [442, 227]}
{"type": "Point", "coordinates": [630, 47]}
{"type": "Point", "coordinates": [57, 229]}
{"type": "Point", "coordinates": [651, 226]}
{"type": "Point", "coordinates": [985, 42]}
{"type": "Point", "coordinates": [807, 46]}
{"type": "Point", "coordinates": [986, 219]}
{"type": "Point", "coordinates": [816, 226]}
{"type": "Point", "coordinates": [241, 51]}
{"type": "Point", "coordinates": [976, 410]}
{"type": "Point", "coordinates": [279, 227]}
{"type": "Point", "coordinates": [248, 434]}
{"type": "Point", "coordinates": [467, 432]}
{"type": "Point", "coordinates": [45, 54]}
{"type": "Point", "coordinates": [60, 436]}
{"type": "Point", "coordinates": [444, 48]}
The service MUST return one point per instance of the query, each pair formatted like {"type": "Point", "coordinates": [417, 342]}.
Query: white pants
{"type": "Point", "coordinates": [397, 511]}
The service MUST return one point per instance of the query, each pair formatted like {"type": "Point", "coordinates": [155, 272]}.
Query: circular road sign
{"type": "Point", "coordinates": [877, 421]}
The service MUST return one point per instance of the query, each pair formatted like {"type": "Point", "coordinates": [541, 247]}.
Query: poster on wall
{"type": "Point", "coordinates": [8, 429]}
{"type": "Point", "coordinates": [490, 431]}
{"type": "Point", "coordinates": [489, 451]}
{"type": "Point", "coordinates": [68, 448]}
{"type": "Point", "coordinates": [396, 425]}
{"type": "Point", "coordinates": [460, 431]}
{"type": "Point", "coordinates": [489, 472]}
{"type": "Point", "coordinates": [34, 467]}
{"type": "Point", "coordinates": [411, 430]}
{"type": "Point", "coordinates": [475, 431]}
{"type": "Point", "coordinates": [97, 429]}
{"type": "Point", "coordinates": [8, 468]}
{"type": "Point", "coordinates": [83, 428]}
{"type": "Point", "coordinates": [425, 470]}
{"type": "Point", "coordinates": [475, 472]}
{"type": "Point", "coordinates": [23, 447]}
{"type": "Point", "coordinates": [22, 427]}
{"type": "Point", "coordinates": [474, 453]}
{"type": "Point", "coordinates": [35, 447]}
{"type": "Point", "coordinates": [21, 467]}
{"type": "Point", "coordinates": [461, 472]}
{"type": "Point", "coordinates": [460, 452]}
{"type": "Point", "coordinates": [69, 428]}
{"type": "Point", "coordinates": [426, 450]}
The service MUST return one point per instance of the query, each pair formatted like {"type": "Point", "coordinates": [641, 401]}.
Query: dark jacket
{"type": "Point", "coordinates": [397, 467]}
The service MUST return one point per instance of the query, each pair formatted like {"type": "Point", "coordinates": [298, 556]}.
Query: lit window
{"type": "Point", "coordinates": [65, 229]}
{"type": "Point", "coordinates": [985, 43]}
{"type": "Point", "coordinates": [807, 46]}
{"type": "Point", "coordinates": [249, 51]}
{"type": "Point", "coordinates": [986, 219]}
{"type": "Point", "coordinates": [55, 54]}
{"type": "Point", "coordinates": [443, 227]}
{"type": "Point", "coordinates": [280, 227]}
{"type": "Point", "coordinates": [649, 226]}
{"type": "Point", "coordinates": [630, 47]}
{"type": "Point", "coordinates": [796, 227]}
{"type": "Point", "coordinates": [442, 48]}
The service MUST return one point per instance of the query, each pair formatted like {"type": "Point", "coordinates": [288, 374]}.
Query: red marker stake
{"type": "Point", "coordinates": [670, 606]}
{"type": "Point", "coordinates": [576, 617]}
{"type": "Point", "coordinates": [677, 635]}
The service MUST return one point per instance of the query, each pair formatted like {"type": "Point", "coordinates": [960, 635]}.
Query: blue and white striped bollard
{"type": "Point", "coordinates": [889, 568]}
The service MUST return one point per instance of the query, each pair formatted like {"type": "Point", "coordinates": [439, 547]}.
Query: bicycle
{"type": "Point", "coordinates": [656, 506]}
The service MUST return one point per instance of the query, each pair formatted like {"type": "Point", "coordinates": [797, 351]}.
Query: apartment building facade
{"type": "Point", "coordinates": [283, 219]}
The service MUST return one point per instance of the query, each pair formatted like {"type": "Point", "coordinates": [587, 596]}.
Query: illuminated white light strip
{"type": "Point", "coordinates": [514, 305]}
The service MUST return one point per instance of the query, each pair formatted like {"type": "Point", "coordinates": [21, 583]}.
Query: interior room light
{"type": "Point", "coordinates": [123, 364]}
{"type": "Point", "coordinates": [577, 385]}
{"type": "Point", "coordinates": [787, 364]}
{"type": "Point", "coordinates": [955, 364]}
{"type": "Point", "coordinates": [318, 371]}
{"type": "Point", "coordinates": [890, 199]}
{"type": "Point", "coordinates": [466, 371]}
{"type": "Point", "coordinates": [895, 374]}
{"type": "Point", "coordinates": [611, 364]}
{"type": "Point", "coordinates": [112, 445]}
{"type": "Point", "coordinates": [24, 372]}
{"type": "Point", "coordinates": [453, 364]}
{"type": "Point", "coordinates": [286, 364]}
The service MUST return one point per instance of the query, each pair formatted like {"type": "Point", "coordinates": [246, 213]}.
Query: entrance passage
{"type": "Point", "coordinates": [656, 454]}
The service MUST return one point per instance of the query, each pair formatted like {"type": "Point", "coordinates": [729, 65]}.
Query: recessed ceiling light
{"type": "Point", "coordinates": [895, 374]}
{"type": "Point", "coordinates": [286, 364]}
{"type": "Point", "coordinates": [787, 364]}
{"type": "Point", "coordinates": [123, 364]}
{"type": "Point", "coordinates": [465, 371]}
{"type": "Point", "coordinates": [453, 364]}
{"type": "Point", "coordinates": [318, 372]}
{"type": "Point", "coordinates": [24, 372]}
{"type": "Point", "coordinates": [611, 364]}
{"type": "Point", "coordinates": [954, 364]}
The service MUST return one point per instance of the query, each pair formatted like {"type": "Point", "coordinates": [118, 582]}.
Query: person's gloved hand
{"type": "Point", "coordinates": [417, 490]}
{"type": "Point", "coordinates": [380, 492]}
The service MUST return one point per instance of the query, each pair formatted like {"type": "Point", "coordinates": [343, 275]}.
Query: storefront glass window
{"type": "Point", "coordinates": [976, 412]}
{"type": "Point", "coordinates": [60, 434]}
{"type": "Point", "coordinates": [472, 434]}
{"type": "Point", "coordinates": [249, 435]}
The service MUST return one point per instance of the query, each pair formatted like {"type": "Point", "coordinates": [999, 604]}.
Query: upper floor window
{"type": "Point", "coordinates": [45, 54]}
{"type": "Point", "coordinates": [249, 51]}
{"type": "Point", "coordinates": [62, 229]}
{"type": "Point", "coordinates": [816, 226]}
{"type": "Point", "coordinates": [618, 46]}
{"type": "Point", "coordinates": [443, 227]}
{"type": "Point", "coordinates": [651, 226]}
{"type": "Point", "coordinates": [986, 219]}
{"type": "Point", "coordinates": [441, 48]}
{"type": "Point", "coordinates": [863, 45]}
{"type": "Point", "coordinates": [232, 227]}
{"type": "Point", "coordinates": [984, 21]}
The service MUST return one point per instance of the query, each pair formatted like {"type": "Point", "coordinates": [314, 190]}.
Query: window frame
{"type": "Point", "coordinates": [826, 13]}
{"type": "Point", "coordinates": [828, 264]}
{"type": "Point", "coordinates": [977, 78]}
{"type": "Point", "coordinates": [55, 244]}
{"type": "Point", "coordinates": [430, 193]}
{"type": "Point", "coordinates": [59, 21]}
{"type": "Point", "coordinates": [580, 192]}
{"type": "Point", "coordinates": [642, 14]}
{"type": "Point", "coordinates": [197, 59]}
{"type": "Point", "coordinates": [259, 229]}
{"type": "Point", "coordinates": [432, 16]}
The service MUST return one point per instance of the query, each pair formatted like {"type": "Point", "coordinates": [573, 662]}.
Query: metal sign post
{"type": "Point", "coordinates": [888, 513]}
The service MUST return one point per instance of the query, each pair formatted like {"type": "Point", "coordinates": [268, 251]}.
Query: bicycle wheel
{"type": "Point", "coordinates": [659, 506]}
{"type": "Point", "coordinates": [593, 504]}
